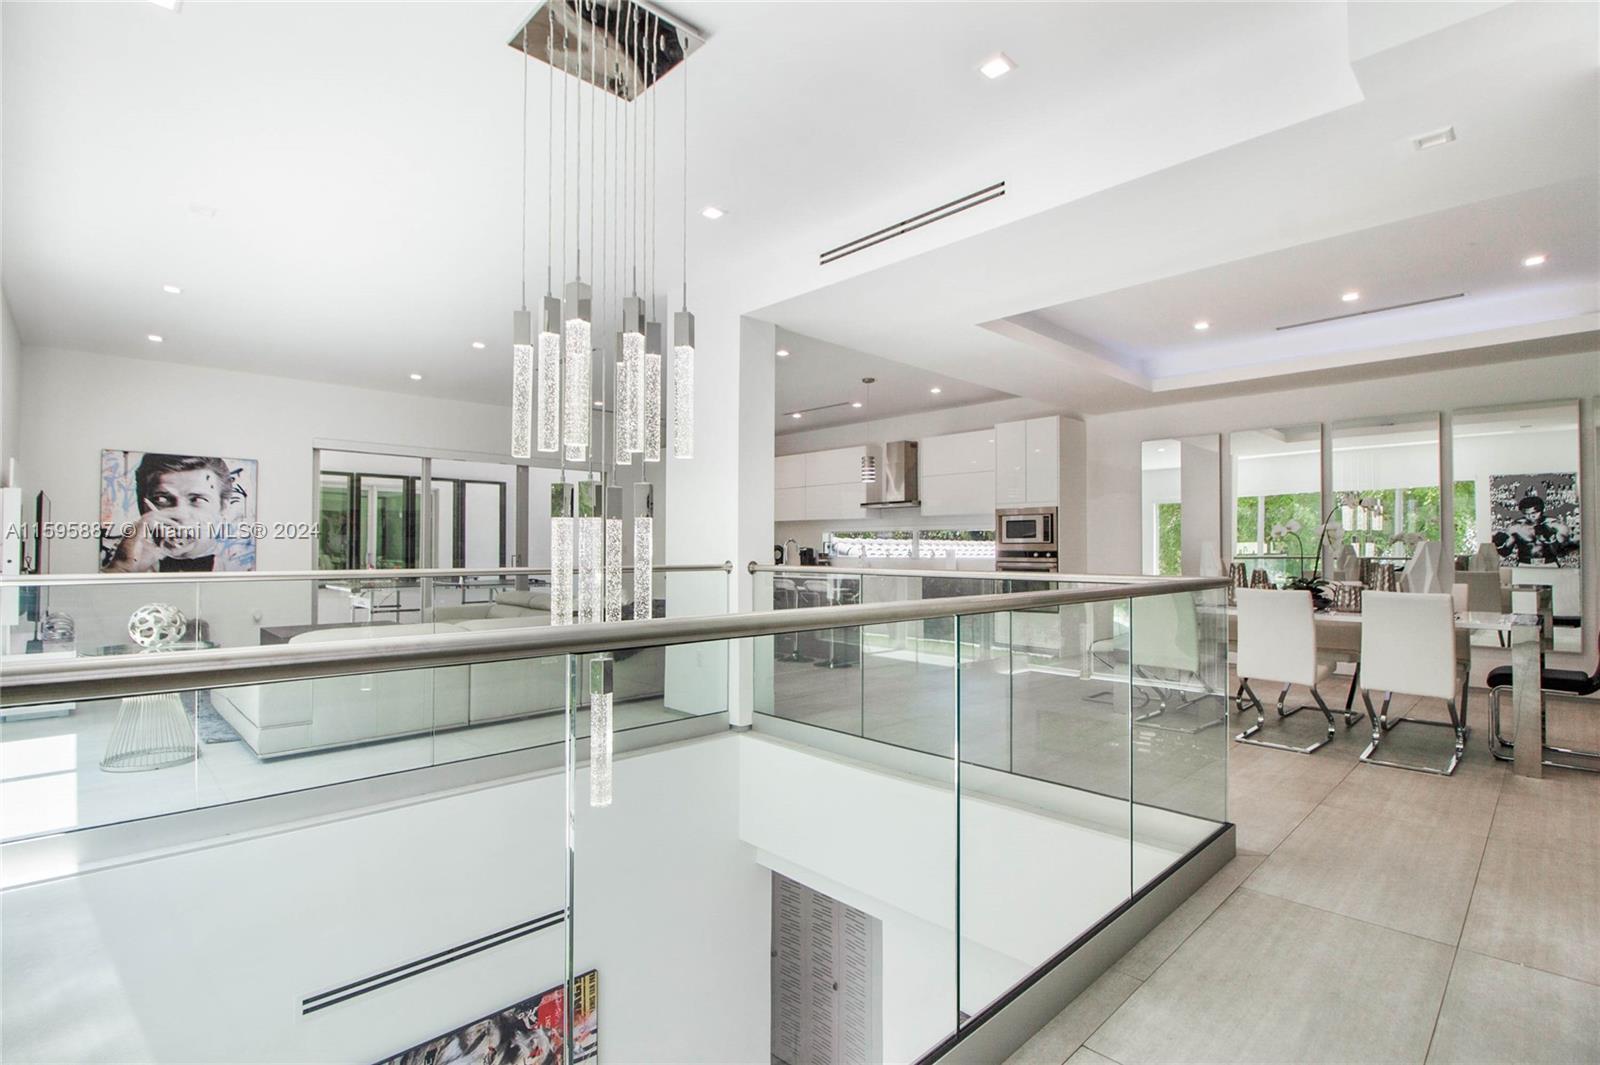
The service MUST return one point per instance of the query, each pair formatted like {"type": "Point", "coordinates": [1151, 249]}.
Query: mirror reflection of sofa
{"type": "Point", "coordinates": [293, 717]}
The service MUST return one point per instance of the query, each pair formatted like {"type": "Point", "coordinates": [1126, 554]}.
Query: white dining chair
{"type": "Point", "coordinates": [1277, 643]}
{"type": "Point", "coordinates": [1408, 645]}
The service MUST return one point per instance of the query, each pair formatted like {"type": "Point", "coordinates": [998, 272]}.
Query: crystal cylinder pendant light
{"type": "Point", "coordinates": [576, 386]}
{"type": "Point", "coordinates": [650, 394]}
{"type": "Point", "coordinates": [683, 385]}
{"type": "Point", "coordinates": [591, 553]}
{"type": "Point", "coordinates": [521, 385]}
{"type": "Point", "coordinates": [600, 729]}
{"type": "Point", "coordinates": [630, 376]}
{"type": "Point", "coordinates": [561, 553]}
{"type": "Point", "coordinates": [613, 569]}
{"type": "Point", "coordinates": [644, 550]}
{"type": "Point", "coordinates": [549, 385]}
{"type": "Point", "coordinates": [620, 454]}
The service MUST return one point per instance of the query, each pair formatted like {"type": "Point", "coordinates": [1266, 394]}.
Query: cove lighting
{"type": "Point", "coordinates": [1534, 260]}
{"type": "Point", "coordinates": [997, 67]}
{"type": "Point", "coordinates": [712, 213]}
{"type": "Point", "coordinates": [172, 290]}
{"type": "Point", "coordinates": [1202, 325]}
{"type": "Point", "coordinates": [154, 338]}
{"type": "Point", "coordinates": [416, 377]}
{"type": "Point", "coordinates": [1351, 296]}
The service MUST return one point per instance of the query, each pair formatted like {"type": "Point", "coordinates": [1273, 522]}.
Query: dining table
{"type": "Point", "coordinates": [1340, 632]}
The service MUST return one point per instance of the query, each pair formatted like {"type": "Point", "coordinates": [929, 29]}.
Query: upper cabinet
{"type": "Point", "coordinates": [956, 473]}
{"type": "Point", "coordinates": [820, 485]}
{"type": "Point", "coordinates": [1027, 460]}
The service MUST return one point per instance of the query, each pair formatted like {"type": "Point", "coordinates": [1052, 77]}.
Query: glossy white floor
{"type": "Point", "coordinates": [51, 780]}
{"type": "Point", "coordinates": [1372, 915]}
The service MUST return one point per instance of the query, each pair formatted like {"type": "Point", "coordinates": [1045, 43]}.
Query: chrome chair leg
{"type": "Point", "coordinates": [1381, 725]}
{"type": "Point", "coordinates": [1261, 718]}
{"type": "Point", "coordinates": [1502, 748]}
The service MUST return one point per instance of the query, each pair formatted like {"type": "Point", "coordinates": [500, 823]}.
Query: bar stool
{"type": "Point", "coordinates": [1278, 643]}
{"type": "Point", "coordinates": [1408, 645]}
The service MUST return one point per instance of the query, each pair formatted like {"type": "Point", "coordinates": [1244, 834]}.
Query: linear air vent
{"type": "Point", "coordinates": [357, 988]}
{"type": "Point", "coordinates": [1371, 310]}
{"type": "Point", "coordinates": [916, 221]}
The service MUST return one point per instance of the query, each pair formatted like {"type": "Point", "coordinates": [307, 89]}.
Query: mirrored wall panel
{"type": "Point", "coordinates": [1277, 500]}
{"type": "Point", "coordinates": [1181, 504]}
{"type": "Point", "coordinates": [1517, 509]}
{"type": "Point", "coordinates": [1386, 489]}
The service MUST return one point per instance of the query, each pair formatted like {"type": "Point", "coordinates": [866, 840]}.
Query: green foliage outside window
{"type": "Point", "coordinates": [1169, 539]}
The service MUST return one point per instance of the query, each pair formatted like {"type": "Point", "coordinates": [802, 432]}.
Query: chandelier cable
{"type": "Point", "coordinates": [524, 258]}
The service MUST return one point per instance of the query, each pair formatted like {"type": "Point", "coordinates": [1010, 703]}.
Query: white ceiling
{"type": "Point", "coordinates": [816, 374]}
{"type": "Point", "coordinates": [336, 186]}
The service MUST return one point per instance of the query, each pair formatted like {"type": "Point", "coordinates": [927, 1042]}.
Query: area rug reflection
{"type": "Point", "coordinates": [527, 1033]}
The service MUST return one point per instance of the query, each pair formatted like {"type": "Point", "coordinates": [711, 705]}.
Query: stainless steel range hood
{"type": "Point", "coordinates": [896, 486]}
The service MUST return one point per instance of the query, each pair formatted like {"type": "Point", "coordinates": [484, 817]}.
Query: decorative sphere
{"type": "Point", "coordinates": [156, 625]}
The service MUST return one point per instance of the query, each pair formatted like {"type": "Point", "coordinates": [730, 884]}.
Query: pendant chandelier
{"type": "Point", "coordinates": [594, 382]}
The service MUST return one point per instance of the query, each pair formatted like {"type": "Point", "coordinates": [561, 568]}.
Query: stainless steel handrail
{"type": "Point", "coordinates": [70, 680]}
{"type": "Point", "coordinates": [980, 575]}
{"type": "Point", "coordinates": [326, 575]}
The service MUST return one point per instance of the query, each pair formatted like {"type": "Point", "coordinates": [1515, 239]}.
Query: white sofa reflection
{"type": "Point", "coordinates": [295, 717]}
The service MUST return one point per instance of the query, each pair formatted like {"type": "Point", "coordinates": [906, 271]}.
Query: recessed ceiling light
{"type": "Point", "coordinates": [478, 344]}
{"type": "Point", "coordinates": [997, 66]}
{"type": "Point", "coordinates": [416, 377]}
{"type": "Point", "coordinates": [1351, 296]}
{"type": "Point", "coordinates": [600, 403]}
{"type": "Point", "coordinates": [1534, 260]}
{"type": "Point", "coordinates": [170, 5]}
{"type": "Point", "coordinates": [936, 390]}
{"type": "Point", "coordinates": [856, 404]}
{"type": "Point", "coordinates": [712, 213]}
{"type": "Point", "coordinates": [796, 414]}
{"type": "Point", "coordinates": [154, 338]}
{"type": "Point", "coordinates": [783, 353]}
{"type": "Point", "coordinates": [171, 290]}
{"type": "Point", "coordinates": [1202, 325]}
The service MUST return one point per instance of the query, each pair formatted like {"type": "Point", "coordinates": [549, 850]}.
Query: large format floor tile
{"type": "Point", "coordinates": [1558, 810]}
{"type": "Point", "coordinates": [1142, 961]}
{"type": "Point", "coordinates": [1463, 802]}
{"type": "Point", "coordinates": [1393, 872]}
{"type": "Point", "coordinates": [1269, 980]}
{"type": "Point", "coordinates": [1496, 1012]}
{"type": "Point", "coordinates": [1061, 1038]}
{"type": "Point", "coordinates": [1538, 906]}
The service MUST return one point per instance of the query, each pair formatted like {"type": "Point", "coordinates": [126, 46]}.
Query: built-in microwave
{"type": "Point", "coordinates": [1025, 525]}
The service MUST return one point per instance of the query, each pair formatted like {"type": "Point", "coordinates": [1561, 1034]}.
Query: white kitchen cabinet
{"type": "Point", "coordinates": [1043, 461]}
{"type": "Point", "coordinates": [791, 505]}
{"type": "Point", "coordinates": [1011, 464]}
{"type": "Point", "coordinates": [956, 453]}
{"type": "Point", "coordinates": [841, 465]}
{"type": "Point", "coordinates": [959, 493]}
{"type": "Point", "coordinates": [824, 501]}
{"type": "Point", "coordinates": [1027, 461]}
{"type": "Point", "coordinates": [790, 471]}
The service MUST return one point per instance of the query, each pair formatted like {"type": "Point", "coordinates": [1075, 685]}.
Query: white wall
{"type": "Point", "coordinates": [79, 403]}
{"type": "Point", "coordinates": [10, 392]}
{"type": "Point", "coordinates": [206, 955]}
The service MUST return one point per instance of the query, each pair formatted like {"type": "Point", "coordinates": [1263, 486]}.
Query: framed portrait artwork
{"type": "Point", "coordinates": [170, 513]}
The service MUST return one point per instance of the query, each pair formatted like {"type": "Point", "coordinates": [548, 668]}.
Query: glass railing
{"type": "Point", "coordinates": [71, 764]}
{"type": "Point", "coordinates": [880, 867]}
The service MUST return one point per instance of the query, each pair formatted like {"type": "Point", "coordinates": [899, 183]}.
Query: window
{"type": "Point", "coordinates": [1169, 539]}
{"type": "Point", "coordinates": [870, 543]}
{"type": "Point", "coordinates": [955, 543]}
